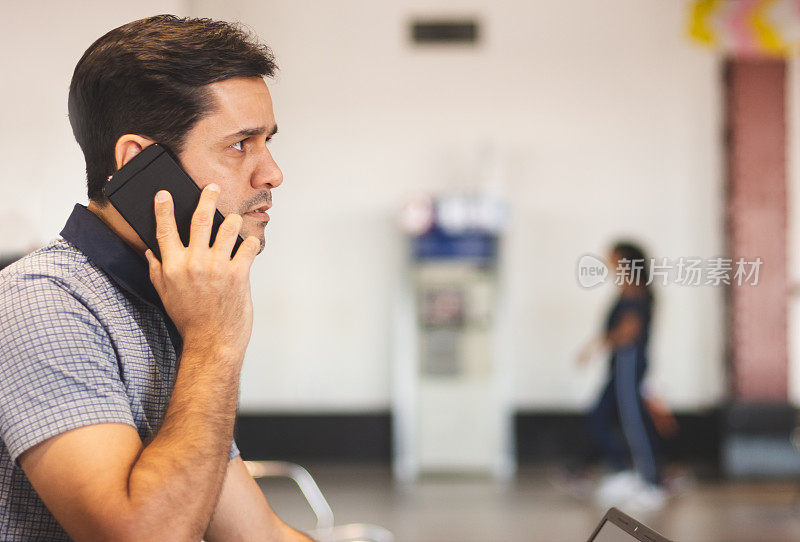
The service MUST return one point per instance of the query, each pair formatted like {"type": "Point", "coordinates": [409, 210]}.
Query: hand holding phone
{"type": "Point", "coordinates": [205, 292]}
{"type": "Point", "coordinates": [201, 277]}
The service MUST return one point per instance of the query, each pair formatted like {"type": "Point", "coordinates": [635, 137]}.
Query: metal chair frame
{"type": "Point", "coordinates": [326, 530]}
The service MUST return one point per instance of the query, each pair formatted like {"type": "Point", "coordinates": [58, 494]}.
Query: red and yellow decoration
{"type": "Point", "coordinates": [747, 27]}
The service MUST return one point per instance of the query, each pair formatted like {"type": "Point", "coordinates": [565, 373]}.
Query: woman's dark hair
{"type": "Point", "coordinates": [635, 255]}
{"type": "Point", "coordinates": [148, 77]}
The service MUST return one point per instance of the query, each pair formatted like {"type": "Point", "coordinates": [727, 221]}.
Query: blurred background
{"type": "Point", "coordinates": [419, 308]}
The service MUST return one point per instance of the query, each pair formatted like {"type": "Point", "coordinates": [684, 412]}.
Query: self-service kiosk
{"type": "Point", "coordinates": [452, 411]}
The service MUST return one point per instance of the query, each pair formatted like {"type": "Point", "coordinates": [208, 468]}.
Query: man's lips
{"type": "Point", "coordinates": [259, 213]}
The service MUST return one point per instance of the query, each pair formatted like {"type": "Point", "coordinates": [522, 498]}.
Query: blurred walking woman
{"type": "Point", "coordinates": [620, 423]}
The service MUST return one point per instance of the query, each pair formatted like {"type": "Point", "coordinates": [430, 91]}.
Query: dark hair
{"type": "Point", "coordinates": [634, 253]}
{"type": "Point", "coordinates": [148, 77]}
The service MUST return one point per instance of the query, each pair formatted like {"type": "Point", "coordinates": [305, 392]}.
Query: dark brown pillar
{"type": "Point", "coordinates": [756, 210]}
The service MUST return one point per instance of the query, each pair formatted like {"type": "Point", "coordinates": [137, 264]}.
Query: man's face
{"type": "Point", "coordinates": [229, 147]}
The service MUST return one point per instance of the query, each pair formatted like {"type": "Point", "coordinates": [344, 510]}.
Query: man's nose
{"type": "Point", "coordinates": [267, 172]}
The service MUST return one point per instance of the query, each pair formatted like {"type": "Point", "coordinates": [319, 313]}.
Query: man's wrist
{"type": "Point", "coordinates": [206, 351]}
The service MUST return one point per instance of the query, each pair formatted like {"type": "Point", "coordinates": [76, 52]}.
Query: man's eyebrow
{"type": "Point", "coordinates": [248, 132]}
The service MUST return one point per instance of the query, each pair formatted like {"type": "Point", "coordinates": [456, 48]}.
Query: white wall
{"type": "Point", "coordinates": [610, 122]}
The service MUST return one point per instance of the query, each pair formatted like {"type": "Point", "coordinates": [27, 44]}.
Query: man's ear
{"type": "Point", "coordinates": [129, 146]}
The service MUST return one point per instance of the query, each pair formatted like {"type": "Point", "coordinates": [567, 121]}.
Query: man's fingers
{"type": "Point", "coordinates": [166, 230]}
{"type": "Point", "coordinates": [227, 233]}
{"type": "Point", "coordinates": [203, 217]}
{"type": "Point", "coordinates": [155, 270]}
{"type": "Point", "coordinates": [247, 251]}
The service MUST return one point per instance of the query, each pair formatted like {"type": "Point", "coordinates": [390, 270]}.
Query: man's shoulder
{"type": "Point", "coordinates": [58, 266]}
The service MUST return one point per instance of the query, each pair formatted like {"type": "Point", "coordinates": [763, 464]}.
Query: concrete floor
{"type": "Point", "coordinates": [474, 509]}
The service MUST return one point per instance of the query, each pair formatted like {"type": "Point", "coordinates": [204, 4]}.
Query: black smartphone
{"type": "Point", "coordinates": [132, 188]}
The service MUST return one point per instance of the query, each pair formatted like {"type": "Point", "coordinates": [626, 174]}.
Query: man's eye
{"type": "Point", "coordinates": [238, 145]}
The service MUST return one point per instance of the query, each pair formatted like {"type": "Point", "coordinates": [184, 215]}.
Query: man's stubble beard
{"type": "Point", "coordinates": [257, 232]}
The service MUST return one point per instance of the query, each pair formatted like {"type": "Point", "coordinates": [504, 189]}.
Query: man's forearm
{"type": "Point", "coordinates": [177, 478]}
{"type": "Point", "coordinates": [173, 485]}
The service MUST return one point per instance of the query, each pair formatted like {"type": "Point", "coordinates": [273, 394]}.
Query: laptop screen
{"type": "Point", "coordinates": [611, 533]}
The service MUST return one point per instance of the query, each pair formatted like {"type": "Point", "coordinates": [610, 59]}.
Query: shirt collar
{"type": "Point", "coordinates": [104, 248]}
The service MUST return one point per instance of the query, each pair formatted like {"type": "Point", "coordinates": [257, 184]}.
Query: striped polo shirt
{"type": "Point", "coordinates": [85, 340]}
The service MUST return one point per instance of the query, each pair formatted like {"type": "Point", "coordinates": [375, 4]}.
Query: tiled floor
{"type": "Point", "coordinates": [475, 509]}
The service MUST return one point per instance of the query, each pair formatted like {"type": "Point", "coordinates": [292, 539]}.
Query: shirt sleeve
{"type": "Point", "coordinates": [58, 367]}
{"type": "Point", "coordinates": [234, 450]}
